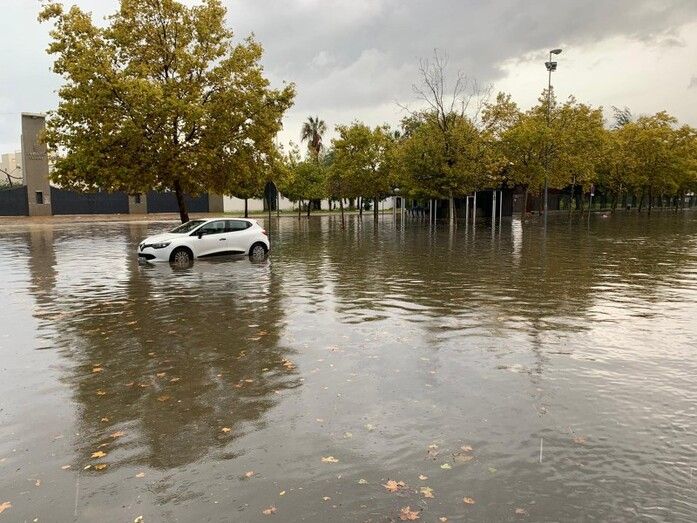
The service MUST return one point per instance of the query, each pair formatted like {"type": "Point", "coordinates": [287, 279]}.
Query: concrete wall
{"type": "Point", "coordinates": [35, 165]}
{"type": "Point", "coordinates": [232, 204]}
{"type": "Point", "coordinates": [137, 204]}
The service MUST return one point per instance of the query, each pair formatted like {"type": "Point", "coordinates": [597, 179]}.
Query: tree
{"type": "Point", "coordinates": [361, 163]}
{"type": "Point", "coordinates": [161, 99]}
{"type": "Point", "coordinates": [304, 180]}
{"type": "Point", "coordinates": [447, 131]}
{"type": "Point", "coordinates": [312, 132]}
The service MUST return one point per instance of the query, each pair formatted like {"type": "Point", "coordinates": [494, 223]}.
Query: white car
{"type": "Point", "coordinates": [204, 238]}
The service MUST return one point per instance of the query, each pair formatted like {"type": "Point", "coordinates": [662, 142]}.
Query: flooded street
{"type": "Point", "coordinates": [503, 377]}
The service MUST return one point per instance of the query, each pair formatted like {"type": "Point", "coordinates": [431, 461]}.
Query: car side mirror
{"type": "Point", "coordinates": [200, 234]}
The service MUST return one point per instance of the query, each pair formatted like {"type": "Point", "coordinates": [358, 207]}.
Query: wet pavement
{"type": "Point", "coordinates": [500, 377]}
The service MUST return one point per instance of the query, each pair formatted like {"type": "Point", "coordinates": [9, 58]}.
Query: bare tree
{"type": "Point", "coordinates": [464, 98]}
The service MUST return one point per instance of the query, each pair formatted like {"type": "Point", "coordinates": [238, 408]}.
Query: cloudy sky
{"type": "Point", "coordinates": [355, 59]}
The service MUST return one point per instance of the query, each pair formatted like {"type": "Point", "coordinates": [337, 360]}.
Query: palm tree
{"type": "Point", "coordinates": [312, 132]}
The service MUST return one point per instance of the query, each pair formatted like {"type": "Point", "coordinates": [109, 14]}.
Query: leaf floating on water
{"type": "Point", "coordinates": [65, 467]}
{"type": "Point", "coordinates": [370, 427]}
{"type": "Point", "coordinates": [174, 380]}
{"type": "Point", "coordinates": [580, 440]}
{"type": "Point", "coordinates": [427, 492]}
{"type": "Point", "coordinates": [101, 393]}
{"type": "Point", "coordinates": [407, 514]}
{"type": "Point", "coordinates": [394, 486]}
{"type": "Point", "coordinates": [446, 466]}
{"type": "Point", "coordinates": [161, 374]}
{"type": "Point", "coordinates": [326, 498]}
{"type": "Point", "coordinates": [442, 519]}
{"type": "Point", "coordinates": [362, 482]}
{"type": "Point", "coordinates": [98, 454]}
{"type": "Point", "coordinates": [269, 511]}
{"type": "Point", "coordinates": [432, 450]}
{"type": "Point", "coordinates": [462, 458]}
{"type": "Point", "coordinates": [104, 420]}
{"type": "Point", "coordinates": [468, 501]}
{"type": "Point", "coordinates": [139, 519]}
{"type": "Point", "coordinates": [329, 459]}
{"type": "Point", "coordinates": [100, 466]}
{"type": "Point", "coordinates": [466, 448]}
{"type": "Point", "coordinates": [282, 493]}
{"type": "Point", "coordinates": [163, 398]}
{"type": "Point", "coordinates": [225, 430]}
{"type": "Point", "coordinates": [422, 477]}
{"type": "Point", "coordinates": [288, 364]}
{"type": "Point", "coordinates": [521, 512]}
{"type": "Point", "coordinates": [140, 475]}
{"type": "Point", "coordinates": [97, 369]}
{"type": "Point", "coordinates": [118, 434]}
{"type": "Point", "coordinates": [249, 474]}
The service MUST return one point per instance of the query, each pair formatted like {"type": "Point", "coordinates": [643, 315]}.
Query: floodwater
{"type": "Point", "coordinates": [302, 384]}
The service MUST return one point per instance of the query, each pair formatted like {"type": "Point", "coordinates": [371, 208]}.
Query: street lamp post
{"type": "Point", "coordinates": [551, 67]}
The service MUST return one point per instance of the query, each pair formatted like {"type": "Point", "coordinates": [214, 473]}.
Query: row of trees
{"type": "Point", "coordinates": [449, 154]}
{"type": "Point", "coordinates": [161, 98]}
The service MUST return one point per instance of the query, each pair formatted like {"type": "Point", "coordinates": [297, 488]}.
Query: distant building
{"type": "Point", "coordinates": [11, 161]}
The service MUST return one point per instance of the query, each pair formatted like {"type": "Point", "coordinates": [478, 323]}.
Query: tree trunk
{"type": "Point", "coordinates": [246, 208]}
{"type": "Point", "coordinates": [183, 214]}
{"type": "Point", "coordinates": [650, 199]}
{"type": "Point", "coordinates": [360, 206]}
{"type": "Point", "coordinates": [451, 210]}
{"type": "Point", "coordinates": [573, 190]}
{"type": "Point", "coordinates": [300, 209]}
{"type": "Point", "coordinates": [309, 206]}
{"type": "Point", "coordinates": [641, 198]}
{"type": "Point", "coordinates": [341, 206]}
{"type": "Point", "coordinates": [376, 203]}
{"type": "Point", "coordinates": [268, 204]}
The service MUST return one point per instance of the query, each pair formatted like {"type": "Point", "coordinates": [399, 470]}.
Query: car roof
{"type": "Point", "coordinates": [227, 218]}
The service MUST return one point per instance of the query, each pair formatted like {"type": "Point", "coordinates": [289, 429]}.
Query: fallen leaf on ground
{"type": "Point", "coordinates": [249, 474]}
{"type": "Point", "coordinates": [118, 434]}
{"type": "Point", "coordinates": [394, 486]}
{"type": "Point", "coordinates": [97, 369]}
{"type": "Point", "coordinates": [100, 466]}
{"type": "Point", "coordinates": [462, 458]}
{"type": "Point", "coordinates": [101, 393]}
{"type": "Point", "coordinates": [98, 454]}
{"type": "Point", "coordinates": [446, 466]}
{"type": "Point", "coordinates": [407, 514]}
{"type": "Point", "coordinates": [225, 430]}
{"type": "Point", "coordinates": [468, 501]}
{"type": "Point", "coordinates": [521, 512]}
{"type": "Point", "coordinates": [105, 420]}
{"type": "Point", "coordinates": [4, 506]}
{"type": "Point", "coordinates": [288, 364]}
{"type": "Point", "coordinates": [427, 492]}
{"type": "Point", "coordinates": [422, 477]}
{"type": "Point", "coordinates": [329, 459]}
{"type": "Point", "coordinates": [161, 374]}
{"type": "Point", "coordinates": [174, 380]}
{"type": "Point", "coordinates": [140, 475]}
{"type": "Point", "coordinates": [269, 511]}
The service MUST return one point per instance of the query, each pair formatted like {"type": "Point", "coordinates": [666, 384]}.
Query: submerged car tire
{"type": "Point", "coordinates": [258, 251]}
{"type": "Point", "coordinates": [182, 257]}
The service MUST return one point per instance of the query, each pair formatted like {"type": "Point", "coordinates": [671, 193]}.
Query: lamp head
{"type": "Point", "coordinates": [555, 51]}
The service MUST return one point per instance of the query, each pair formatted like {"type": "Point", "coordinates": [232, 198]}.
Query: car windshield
{"type": "Point", "coordinates": [187, 227]}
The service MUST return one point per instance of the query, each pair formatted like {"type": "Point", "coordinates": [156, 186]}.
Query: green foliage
{"type": "Point", "coordinates": [160, 98]}
{"type": "Point", "coordinates": [361, 162]}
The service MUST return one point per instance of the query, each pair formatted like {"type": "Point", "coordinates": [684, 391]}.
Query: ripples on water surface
{"type": "Point", "coordinates": [365, 346]}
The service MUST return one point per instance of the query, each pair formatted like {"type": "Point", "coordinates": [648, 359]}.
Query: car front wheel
{"type": "Point", "coordinates": [181, 257]}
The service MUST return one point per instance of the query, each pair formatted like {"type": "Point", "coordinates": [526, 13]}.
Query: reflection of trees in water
{"type": "Point", "coordinates": [518, 280]}
{"type": "Point", "coordinates": [170, 358]}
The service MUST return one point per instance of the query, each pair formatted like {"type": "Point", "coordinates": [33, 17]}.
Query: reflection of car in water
{"type": "Point", "coordinates": [206, 238]}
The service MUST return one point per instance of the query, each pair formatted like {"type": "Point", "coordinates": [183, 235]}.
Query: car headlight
{"type": "Point", "coordinates": [160, 245]}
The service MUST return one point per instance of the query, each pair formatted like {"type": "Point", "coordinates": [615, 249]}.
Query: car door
{"type": "Point", "coordinates": [238, 235]}
{"type": "Point", "coordinates": [211, 239]}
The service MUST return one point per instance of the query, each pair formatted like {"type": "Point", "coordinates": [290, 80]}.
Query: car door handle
{"type": "Point", "coordinates": [222, 239]}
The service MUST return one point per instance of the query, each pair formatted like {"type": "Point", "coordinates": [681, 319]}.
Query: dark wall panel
{"type": "Point", "coordinates": [13, 202]}
{"type": "Point", "coordinates": [71, 202]}
{"type": "Point", "coordinates": [167, 202]}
